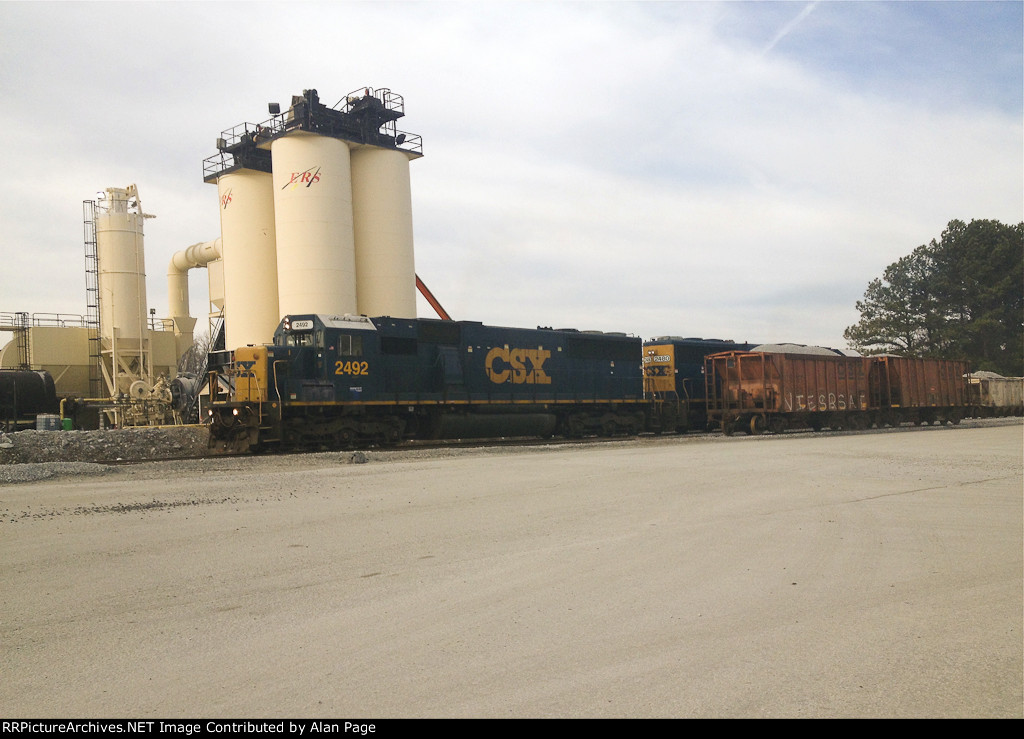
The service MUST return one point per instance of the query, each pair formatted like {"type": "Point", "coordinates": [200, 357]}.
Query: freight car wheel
{"type": "Point", "coordinates": [757, 425]}
{"type": "Point", "coordinates": [777, 424]}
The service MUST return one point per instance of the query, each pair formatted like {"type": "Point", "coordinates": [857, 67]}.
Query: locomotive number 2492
{"type": "Point", "coordinates": [351, 368]}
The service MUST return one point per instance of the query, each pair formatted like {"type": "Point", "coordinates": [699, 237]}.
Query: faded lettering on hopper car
{"type": "Point", "coordinates": [822, 402]}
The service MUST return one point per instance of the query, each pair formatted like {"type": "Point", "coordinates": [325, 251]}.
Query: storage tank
{"type": "Point", "coordinates": [249, 257]}
{"type": "Point", "coordinates": [382, 224]}
{"type": "Point", "coordinates": [316, 267]}
{"type": "Point", "coordinates": [24, 394]}
{"type": "Point", "coordinates": [122, 265]}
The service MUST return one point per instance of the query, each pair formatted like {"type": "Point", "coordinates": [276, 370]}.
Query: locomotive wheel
{"type": "Point", "coordinates": [574, 427]}
{"type": "Point", "coordinates": [345, 437]}
{"type": "Point", "coordinates": [393, 433]}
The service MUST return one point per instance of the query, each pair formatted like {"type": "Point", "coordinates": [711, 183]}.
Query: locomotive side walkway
{"type": "Point", "coordinates": [866, 575]}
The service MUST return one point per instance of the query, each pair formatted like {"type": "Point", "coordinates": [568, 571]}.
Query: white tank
{"type": "Point", "coordinates": [316, 267]}
{"type": "Point", "coordinates": [122, 265]}
{"type": "Point", "coordinates": [249, 257]}
{"type": "Point", "coordinates": [382, 223]}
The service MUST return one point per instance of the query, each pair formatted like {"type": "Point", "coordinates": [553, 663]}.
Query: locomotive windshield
{"type": "Point", "coordinates": [304, 338]}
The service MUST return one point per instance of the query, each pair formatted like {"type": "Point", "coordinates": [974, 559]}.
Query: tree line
{"type": "Point", "coordinates": [958, 297]}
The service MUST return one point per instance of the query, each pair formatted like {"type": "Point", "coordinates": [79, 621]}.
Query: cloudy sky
{"type": "Point", "coordinates": [728, 169]}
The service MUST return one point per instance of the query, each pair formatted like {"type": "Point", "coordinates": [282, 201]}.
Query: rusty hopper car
{"type": "Point", "coordinates": [755, 391]}
{"type": "Point", "coordinates": [338, 381]}
{"type": "Point", "coordinates": [905, 389]}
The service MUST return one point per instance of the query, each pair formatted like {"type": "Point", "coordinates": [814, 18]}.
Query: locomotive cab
{"type": "Point", "coordinates": [323, 358]}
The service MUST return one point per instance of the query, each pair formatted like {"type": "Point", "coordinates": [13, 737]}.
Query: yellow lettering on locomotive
{"type": "Point", "coordinates": [521, 366]}
{"type": "Point", "coordinates": [351, 368]}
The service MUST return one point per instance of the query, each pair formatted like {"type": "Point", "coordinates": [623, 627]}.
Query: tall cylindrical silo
{"type": "Point", "coordinates": [122, 266]}
{"type": "Point", "coordinates": [382, 223]}
{"type": "Point", "coordinates": [313, 215]}
{"type": "Point", "coordinates": [249, 257]}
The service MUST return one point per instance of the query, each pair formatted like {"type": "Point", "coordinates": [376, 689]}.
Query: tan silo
{"type": "Point", "coordinates": [122, 264]}
{"type": "Point", "coordinates": [313, 216]}
{"type": "Point", "coordinates": [382, 224]}
{"type": "Point", "coordinates": [121, 273]}
{"type": "Point", "coordinates": [249, 257]}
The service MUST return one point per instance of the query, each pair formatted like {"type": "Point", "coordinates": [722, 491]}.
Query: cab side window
{"type": "Point", "coordinates": [350, 346]}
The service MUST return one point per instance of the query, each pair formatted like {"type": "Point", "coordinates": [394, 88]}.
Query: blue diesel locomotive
{"type": "Point", "coordinates": [343, 381]}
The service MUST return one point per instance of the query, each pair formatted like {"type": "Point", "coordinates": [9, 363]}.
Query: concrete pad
{"type": "Point", "coordinates": [868, 575]}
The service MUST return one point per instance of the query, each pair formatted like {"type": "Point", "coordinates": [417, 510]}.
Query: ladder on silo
{"type": "Point", "coordinates": [92, 296]}
{"type": "Point", "coordinates": [21, 324]}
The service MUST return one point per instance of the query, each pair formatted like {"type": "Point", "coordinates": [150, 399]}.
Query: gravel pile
{"type": "Point", "coordinates": [115, 445]}
{"type": "Point", "coordinates": [13, 473]}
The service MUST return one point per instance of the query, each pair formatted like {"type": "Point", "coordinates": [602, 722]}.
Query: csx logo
{"type": "Point", "coordinates": [246, 368]}
{"type": "Point", "coordinates": [518, 365]}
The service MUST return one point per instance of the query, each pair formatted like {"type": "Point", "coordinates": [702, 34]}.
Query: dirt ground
{"type": "Point", "coordinates": [864, 575]}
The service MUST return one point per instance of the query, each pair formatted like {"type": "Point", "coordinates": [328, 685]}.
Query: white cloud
{"type": "Point", "coordinates": [621, 166]}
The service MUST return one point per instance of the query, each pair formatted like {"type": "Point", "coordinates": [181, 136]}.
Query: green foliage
{"type": "Point", "coordinates": [959, 297]}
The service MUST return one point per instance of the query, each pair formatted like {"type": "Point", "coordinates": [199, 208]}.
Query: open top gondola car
{"type": "Point", "coordinates": [338, 381]}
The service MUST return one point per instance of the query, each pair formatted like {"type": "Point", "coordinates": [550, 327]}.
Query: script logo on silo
{"type": "Point", "coordinates": [225, 199]}
{"type": "Point", "coordinates": [307, 178]}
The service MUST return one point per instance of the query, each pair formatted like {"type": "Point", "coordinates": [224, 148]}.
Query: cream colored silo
{"type": "Point", "coordinates": [121, 278]}
{"type": "Point", "coordinates": [122, 265]}
{"type": "Point", "coordinates": [316, 268]}
{"type": "Point", "coordinates": [249, 257]}
{"type": "Point", "coordinates": [382, 224]}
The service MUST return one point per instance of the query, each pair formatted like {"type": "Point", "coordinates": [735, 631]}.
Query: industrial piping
{"type": "Point", "coordinates": [197, 255]}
